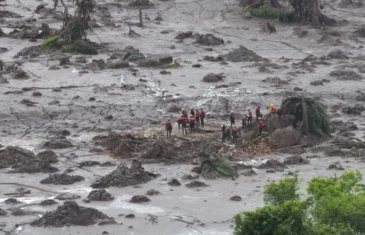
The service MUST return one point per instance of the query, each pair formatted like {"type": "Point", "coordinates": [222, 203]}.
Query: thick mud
{"type": "Point", "coordinates": [90, 117]}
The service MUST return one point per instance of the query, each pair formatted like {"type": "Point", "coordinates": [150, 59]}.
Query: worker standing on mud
{"type": "Point", "coordinates": [192, 112]}
{"type": "Point", "coordinates": [226, 132]}
{"type": "Point", "coordinates": [232, 118]}
{"type": "Point", "coordinates": [249, 116]}
{"type": "Point", "coordinates": [244, 121]}
{"type": "Point", "coordinates": [184, 113]}
{"type": "Point", "coordinates": [197, 117]}
{"type": "Point", "coordinates": [273, 110]}
{"type": "Point", "coordinates": [192, 123]}
{"type": "Point", "coordinates": [184, 122]}
{"type": "Point", "coordinates": [168, 126]}
{"type": "Point", "coordinates": [202, 116]}
{"type": "Point", "coordinates": [258, 112]}
{"type": "Point", "coordinates": [235, 134]}
{"type": "Point", "coordinates": [260, 124]}
{"type": "Point", "coordinates": [179, 122]}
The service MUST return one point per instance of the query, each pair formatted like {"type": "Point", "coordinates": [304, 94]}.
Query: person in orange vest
{"type": "Point", "coordinates": [184, 122]}
{"type": "Point", "coordinates": [232, 118]}
{"type": "Point", "coordinates": [202, 116]}
{"type": "Point", "coordinates": [197, 117]}
{"type": "Point", "coordinates": [168, 126]}
{"type": "Point", "coordinates": [260, 124]}
{"type": "Point", "coordinates": [249, 116]}
{"type": "Point", "coordinates": [192, 123]}
{"type": "Point", "coordinates": [235, 134]}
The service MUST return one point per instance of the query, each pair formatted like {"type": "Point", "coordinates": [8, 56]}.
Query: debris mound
{"type": "Point", "coordinates": [139, 199]}
{"type": "Point", "coordinates": [33, 166]}
{"type": "Point", "coordinates": [48, 202]}
{"type": "Point", "coordinates": [70, 213]}
{"type": "Point", "coordinates": [48, 156]}
{"type": "Point", "coordinates": [345, 75]}
{"type": "Point", "coordinates": [242, 54]}
{"type": "Point", "coordinates": [62, 179]}
{"type": "Point", "coordinates": [209, 40]}
{"type": "Point", "coordinates": [196, 184]}
{"type": "Point", "coordinates": [59, 142]}
{"type": "Point", "coordinates": [295, 160]}
{"type": "Point", "coordinates": [212, 77]}
{"type": "Point", "coordinates": [100, 195]}
{"type": "Point", "coordinates": [124, 176]}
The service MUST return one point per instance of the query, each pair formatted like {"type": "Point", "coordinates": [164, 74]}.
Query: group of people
{"type": "Point", "coordinates": [196, 118]}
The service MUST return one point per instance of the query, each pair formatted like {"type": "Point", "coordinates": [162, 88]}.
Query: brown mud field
{"type": "Point", "coordinates": [83, 148]}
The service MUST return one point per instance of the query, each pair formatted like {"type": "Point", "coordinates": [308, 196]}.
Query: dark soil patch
{"type": "Point", "coordinates": [62, 179]}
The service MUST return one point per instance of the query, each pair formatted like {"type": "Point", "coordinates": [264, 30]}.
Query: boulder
{"type": "Point", "coordinates": [337, 54]}
{"type": "Point", "coordinates": [100, 195]}
{"type": "Point", "coordinates": [345, 75]}
{"type": "Point", "coordinates": [3, 212]}
{"type": "Point", "coordinates": [286, 137]}
{"type": "Point", "coordinates": [296, 160]}
{"type": "Point", "coordinates": [334, 151]}
{"type": "Point", "coordinates": [211, 77]}
{"type": "Point", "coordinates": [209, 40]}
{"type": "Point", "coordinates": [275, 122]}
{"type": "Point", "coordinates": [120, 64]}
{"type": "Point", "coordinates": [184, 35]}
{"type": "Point", "coordinates": [196, 184]}
{"type": "Point", "coordinates": [335, 166]}
{"type": "Point", "coordinates": [48, 156]}
{"type": "Point", "coordinates": [48, 202]}
{"type": "Point", "coordinates": [152, 192]}
{"type": "Point", "coordinates": [67, 196]}
{"type": "Point", "coordinates": [58, 143]}
{"type": "Point", "coordinates": [62, 179]}
{"type": "Point", "coordinates": [174, 182]}
{"type": "Point", "coordinates": [235, 198]}
{"type": "Point", "coordinates": [139, 199]}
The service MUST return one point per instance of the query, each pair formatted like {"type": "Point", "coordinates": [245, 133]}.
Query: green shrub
{"type": "Point", "coordinates": [284, 190]}
{"type": "Point", "coordinates": [212, 169]}
{"type": "Point", "coordinates": [81, 47]}
{"type": "Point", "coordinates": [53, 42]}
{"type": "Point", "coordinates": [265, 12]}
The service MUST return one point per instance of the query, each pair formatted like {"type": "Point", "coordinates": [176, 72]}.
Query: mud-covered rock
{"type": "Point", "coordinates": [89, 163]}
{"type": "Point", "coordinates": [275, 81]}
{"type": "Point", "coordinates": [48, 202]}
{"type": "Point", "coordinates": [13, 155]}
{"type": "Point", "coordinates": [189, 177]}
{"type": "Point", "coordinates": [335, 166]}
{"type": "Point", "coordinates": [174, 182]}
{"type": "Point", "coordinates": [196, 184]}
{"type": "Point", "coordinates": [120, 64]}
{"type": "Point", "coordinates": [100, 195]}
{"type": "Point", "coordinates": [348, 143]}
{"type": "Point", "coordinates": [18, 212]}
{"type": "Point", "coordinates": [139, 199]}
{"type": "Point", "coordinates": [250, 172]}
{"type": "Point", "coordinates": [62, 179]}
{"type": "Point", "coordinates": [152, 192]}
{"type": "Point", "coordinates": [184, 35]}
{"type": "Point", "coordinates": [354, 110]}
{"type": "Point", "coordinates": [235, 198]}
{"type": "Point", "coordinates": [337, 54]}
{"type": "Point", "coordinates": [36, 93]}
{"type": "Point", "coordinates": [58, 143]}
{"type": "Point", "coordinates": [33, 166]}
{"type": "Point", "coordinates": [107, 164]}
{"type": "Point", "coordinates": [130, 216]}
{"type": "Point", "coordinates": [209, 40]}
{"type": "Point", "coordinates": [272, 163]}
{"type": "Point", "coordinates": [296, 160]}
{"type": "Point", "coordinates": [242, 54]}
{"type": "Point", "coordinates": [3, 212]}
{"type": "Point", "coordinates": [12, 201]}
{"type": "Point", "coordinates": [3, 80]}
{"type": "Point", "coordinates": [286, 137]}
{"type": "Point", "coordinates": [67, 196]}
{"type": "Point", "coordinates": [275, 122]}
{"type": "Point", "coordinates": [155, 61]}
{"type": "Point", "coordinates": [345, 75]}
{"type": "Point", "coordinates": [212, 77]}
{"type": "Point", "coordinates": [124, 176]}
{"type": "Point", "coordinates": [70, 213]}
{"type": "Point", "coordinates": [64, 60]}
{"type": "Point", "coordinates": [317, 83]}
{"type": "Point", "coordinates": [48, 156]}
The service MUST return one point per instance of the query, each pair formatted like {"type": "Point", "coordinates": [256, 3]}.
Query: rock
{"type": "Point", "coordinates": [89, 163]}
{"type": "Point", "coordinates": [164, 72]}
{"type": "Point", "coordinates": [54, 67]}
{"type": "Point", "coordinates": [12, 155]}
{"type": "Point", "coordinates": [57, 89]}
{"type": "Point", "coordinates": [37, 93]}
{"type": "Point", "coordinates": [12, 201]}
{"type": "Point", "coordinates": [28, 102]}
{"type": "Point", "coordinates": [117, 65]}
{"type": "Point", "coordinates": [70, 213]}
{"type": "Point", "coordinates": [130, 216]}
{"type": "Point", "coordinates": [62, 179]}
{"type": "Point", "coordinates": [3, 80]}
{"type": "Point", "coordinates": [282, 138]}
{"type": "Point", "coordinates": [272, 163]}
{"type": "Point", "coordinates": [100, 195]}
{"type": "Point", "coordinates": [275, 81]}
{"type": "Point", "coordinates": [109, 117]}
{"type": "Point", "coordinates": [33, 166]}
{"type": "Point", "coordinates": [209, 40]}
{"type": "Point", "coordinates": [189, 177]}
{"type": "Point", "coordinates": [354, 110]}
{"type": "Point", "coordinates": [242, 54]}
{"type": "Point", "coordinates": [18, 212]}
{"type": "Point", "coordinates": [53, 102]}
{"type": "Point", "coordinates": [48, 156]}
{"type": "Point", "coordinates": [3, 212]}
{"type": "Point", "coordinates": [275, 122]}
{"type": "Point", "coordinates": [63, 133]}
{"type": "Point", "coordinates": [20, 74]}
{"type": "Point", "coordinates": [139, 199]}
{"type": "Point", "coordinates": [105, 232]}
{"type": "Point", "coordinates": [348, 143]}
{"type": "Point", "coordinates": [346, 75]}
{"type": "Point", "coordinates": [92, 99]}
{"type": "Point", "coordinates": [211, 77]}
{"type": "Point", "coordinates": [335, 166]}
{"type": "Point", "coordinates": [173, 108]}
{"type": "Point", "coordinates": [158, 18]}
{"type": "Point", "coordinates": [316, 83]}
{"type": "Point", "coordinates": [124, 176]}
{"type": "Point", "coordinates": [67, 196]}
{"type": "Point", "coordinates": [174, 182]}
{"type": "Point", "coordinates": [296, 160]}
{"type": "Point", "coordinates": [298, 89]}
{"type": "Point", "coordinates": [155, 61]}
{"type": "Point", "coordinates": [213, 59]}
{"type": "Point", "coordinates": [153, 192]}
{"type": "Point", "coordinates": [58, 143]}
{"type": "Point", "coordinates": [196, 184]}
{"type": "Point", "coordinates": [64, 61]}
{"type": "Point", "coordinates": [81, 60]}
{"type": "Point", "coordinates": [184, 35]}
{"type": "Point", "coordinates": [250, 172]}
{"type": "Point", "coordinates": [270, 171]}
{"type": "Point", "coordinates": [337, 54]}
{"type": "Point", "coordinates": [333, 151]}
{"type": "Point", "coordinates": [48, 202]}
{"type": "Point", "coordinates": [235, 198]}
{"type": "Point", "coordinates": [106, 164]}
{"type": "Point", "coordinates": [196, 65]}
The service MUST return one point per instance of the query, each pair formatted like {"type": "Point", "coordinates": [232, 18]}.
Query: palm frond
{"type": "Point", "coordinates": [213, 169]}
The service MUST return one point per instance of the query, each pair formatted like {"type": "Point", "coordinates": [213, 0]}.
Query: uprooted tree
{"type": "Point", "coordinates": [307, 11]}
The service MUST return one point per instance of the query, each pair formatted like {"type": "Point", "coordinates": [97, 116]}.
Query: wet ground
{"type": "Point", "coordinates": [179, 210]}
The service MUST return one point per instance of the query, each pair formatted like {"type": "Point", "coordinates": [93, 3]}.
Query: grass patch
{"type": "Point", "coordinates": [265, 12]}
{"type": "Point", "coordinates": [53, 42]}
{"type": "Point", "coordinates": [81, 47]}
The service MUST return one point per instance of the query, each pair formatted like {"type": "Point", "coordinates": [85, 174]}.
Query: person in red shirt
{"type": "Point", "coordinates": [261, 125]}
{"type": "Point", "coordinates": [184, 122]}
{"type": "Point", "coordinates": [232, 118]}
{"type": "Point", "coordinates": [202, 116]}
{"type": "Point", "coordinates": [273, 110]}
{"type": "Point", "coordinates": [197, 117]}
{"type": "Point", "coordinates": [179, 122]}
{"type": "Point", "coordinates": [192, 123]}
{"type": "Point", "coordinates": [184, 113]}
{"type": "Point", "coordinates": [192, 112]}
{"type": "Point", "coordinates": [168, 126]}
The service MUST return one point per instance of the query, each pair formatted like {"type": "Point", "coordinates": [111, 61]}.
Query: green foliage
{"type": "Point", "coordinates": [287, 17]}
{"type": "Point", "coordinates": [284, 190]}
{"type": "Point", "coordinates": [335, 206]}
{"type": "Point", "coordinates": [265, 12]}
{"type": "Point", "coordinates": [79, 46]}
{"type": "Point", "coordinates": [53, 42]}
{"type": "Point", "coordinates": [212, 169]}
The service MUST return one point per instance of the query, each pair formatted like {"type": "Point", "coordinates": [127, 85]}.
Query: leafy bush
{"type": "Point", "coordinates": [265, 12]}
{"type": "Point", "coordinates": [79, 46]}
{"type": "Point", "coordinates": [334, 206]}
{"type": "Point", "coordinates": [53, 42]}
{"type": "Point", "coordinates": [212, 169]}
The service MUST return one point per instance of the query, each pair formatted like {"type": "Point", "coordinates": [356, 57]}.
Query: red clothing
{"type": "Point", "coordinates": [249, 113]}
{"type": "Point", "coordinates": [235, 129]}
{"type": "Point", "coordinates": [168, 124]}
{"type": "Point", "coordinates": [184, 120]}
{"type": "Point", "coordinates": [273, 109]}
{"type": "Point", "coordinates": [202, 114]}
{"type": "Point", "coordinates": [261, 123]}
{"type": "Point", "coordinates": [232, 116]}
{"type": "Point", "coordinates": [192, 120]}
